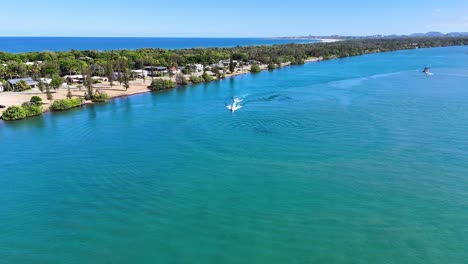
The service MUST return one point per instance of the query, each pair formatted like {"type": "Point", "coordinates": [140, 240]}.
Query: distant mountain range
{"type": "Point", "coordinates": [416, 35]}
{"type": "Point", "coordinates": [439, 34]}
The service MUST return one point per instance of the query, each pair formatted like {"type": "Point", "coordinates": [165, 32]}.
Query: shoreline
{"type": "Point", "coordinates": [139, 86]}
{"type": "Point", "coordinates": [117, 91]}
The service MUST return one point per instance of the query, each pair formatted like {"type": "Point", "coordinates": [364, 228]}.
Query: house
{"type": "Point", "coordinates": [29, 81]}
{"type": "Point", "coordinates": [196, 67]}
{"type": "Point", "coordinates": [161, 69]}
{"type": "Point", "coordinates": [74, 78]}
{"type": "Point", "coordinates": [225, 63]}
{"type": "Point", "coordinates": [116, 75]}
{"type": "Point", "coordinates": [254, 62]}
{"type": "Point", "coordinates": [157, 69]}
{"type": "Point", "coordinates": [1, 87]}
{"type": "Point", "coordinates": [199, 67]}
{"type": "Point", "coordinates": [175, 70]}
{"type": "Point", "coordinates": [99, 79]}
{"type": "Point", "coordinates": [46, 80]}
{"type": "Point", "coordinates": [139, 73]}
{"type": "Point", "coordinates": [30, 63]}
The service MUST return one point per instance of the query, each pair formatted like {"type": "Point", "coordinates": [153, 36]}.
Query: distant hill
{"type": "Point", "coordinates": [428, 34]}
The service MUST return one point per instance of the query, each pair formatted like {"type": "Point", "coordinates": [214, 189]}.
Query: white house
{"type": "Point", "coordinates": [46, 80]}
{"type": "Point", "coordinates": [196, 67]}
{"type": "Point", "coordinates": [140, 73]}
{"type": "Point", "coordinates": [199, 67]}
{"type": "Point", "coordinates": [158, 69]}
{"type": "Point", "coordinates": [99, 79]}
{"type": "Point", "coordinates": [74, 78]}
{"type": "Point", "coordinates": [1, 87]}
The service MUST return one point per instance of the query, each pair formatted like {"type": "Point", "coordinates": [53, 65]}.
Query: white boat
{"type": "Point", "coordinates": [427, 71]}
{"type": "Point", "coordinates": [235, 105]}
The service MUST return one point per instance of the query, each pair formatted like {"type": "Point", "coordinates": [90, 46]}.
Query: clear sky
{"type": "Point", "coordinates": [239, 18]}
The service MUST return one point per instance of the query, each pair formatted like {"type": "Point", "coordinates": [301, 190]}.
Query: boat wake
{"type": "Point", "coordinates": [237, 102]}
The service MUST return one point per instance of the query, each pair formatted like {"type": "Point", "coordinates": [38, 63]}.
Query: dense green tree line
{"type": "Point", "coordinates": [106, 62]}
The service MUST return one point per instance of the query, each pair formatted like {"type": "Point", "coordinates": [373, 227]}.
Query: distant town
{"type": "Point", "coordinates": [340, 37]}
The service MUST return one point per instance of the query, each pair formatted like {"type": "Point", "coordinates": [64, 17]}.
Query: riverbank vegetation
{"type": "Point", "coordinates": [65, 104]}
{"type": "Point", "coordinates": [255, 68]}
{"type": "Point", "coordinates": [27, 109]}
{"type": "Point", "coordinates": [169, 68]}
{"type": "Point", "coordinates": [161, 84]}
{"type": "Point", "coordinates": [97, 63]}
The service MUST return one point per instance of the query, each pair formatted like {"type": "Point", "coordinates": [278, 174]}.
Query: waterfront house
{"type": "Point", "coordinates": [29, 81]}
{"type": "Point", "coordinates": [175, 70]}
{"type": "Point", "coordinates": [196, 67]}
{"type": "Point", "coordinates": [139, 73]}
{"type": "Point", "coordinates": [157, 69]}
{"type": "Point", "coordinates": [199, 67]}
{"type": "Point", "coordinates": [225, 63]}
{"type": "Point", "coordinates": [74, 78]}
{"type": "Point", "coordinates": [253, 62]}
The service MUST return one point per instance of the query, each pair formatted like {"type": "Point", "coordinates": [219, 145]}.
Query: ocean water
{"type": "Point", "coordinates": [26, 44]}
{"type": "Point", "coordinates": [358, 160]}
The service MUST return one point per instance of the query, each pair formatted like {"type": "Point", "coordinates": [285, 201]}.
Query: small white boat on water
{"type": "Point", "coordinates": [427, 71]}
{"type": "Point", "coordinates": [235, 105]}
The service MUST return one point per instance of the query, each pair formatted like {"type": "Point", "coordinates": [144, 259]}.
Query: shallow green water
{"type": "Point", "coordinates": [360, 160]}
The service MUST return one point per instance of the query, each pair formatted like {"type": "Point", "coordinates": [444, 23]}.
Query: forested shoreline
{"type": "Point", "coordinates": [98, 62]}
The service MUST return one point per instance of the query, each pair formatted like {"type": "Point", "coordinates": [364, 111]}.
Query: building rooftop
{"type": "Point", "coordinates": [29, 81]}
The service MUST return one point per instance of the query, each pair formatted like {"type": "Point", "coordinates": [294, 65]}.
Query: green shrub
{"type": "Point", "coordinates": [64, 104]}
{"type": "Point", "coordinates": [14, 113]}
{"type": "Point", "coordinates": [36, 100]}
{"type": "Point", "coordinates": [255, 68]}
{"type": "Point", "coordinates": [160, 84]}
{"type": "Point", "coordinates": [196, 79]}
{"type": "Point", "coordinates": [271, 66]}
{"type": "Point", "coordinates": [100, 97]}
{"type": "Point", "coordinates": [207, 77]}
{"type": "Point", "coordinates": [32, 109]}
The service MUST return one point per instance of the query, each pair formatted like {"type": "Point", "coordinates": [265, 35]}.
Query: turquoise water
{"type": "Point", "coordinates": [359, 160]}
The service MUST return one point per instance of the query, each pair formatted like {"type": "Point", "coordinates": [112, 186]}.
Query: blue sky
{"type": "Point", "coordinates": [240, 18]}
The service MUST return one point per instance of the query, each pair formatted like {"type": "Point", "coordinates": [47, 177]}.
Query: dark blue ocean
{"type": "Point", "coordinates": [26, 44]}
